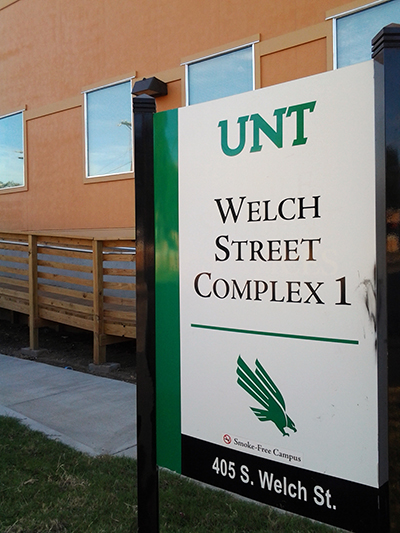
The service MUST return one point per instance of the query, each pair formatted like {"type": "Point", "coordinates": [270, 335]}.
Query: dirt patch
{"type": "Point", "coordinates": [67, 347]}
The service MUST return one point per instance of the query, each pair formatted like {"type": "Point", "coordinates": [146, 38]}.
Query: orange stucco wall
{"type": "Point", "coordinates": [51, 50]}
{"type": "Point", "coordinates": [306, 60]}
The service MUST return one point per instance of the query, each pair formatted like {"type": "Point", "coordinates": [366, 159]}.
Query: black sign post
{"type": "Point", "coordinates": [144, 107]}
{"type": "Point", "coordinates": [386, 50]}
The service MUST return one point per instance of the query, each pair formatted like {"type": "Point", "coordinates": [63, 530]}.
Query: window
{"type": "Point", "coordinates": [11, 151]}
{"type": "Point", "coordinates": [109, 130]}
{"type": "Point", "coordinates": [220, 75]}
{"type": "Point", "coordinates": [355, 31]}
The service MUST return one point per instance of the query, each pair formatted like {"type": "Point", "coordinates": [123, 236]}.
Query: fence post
{"type": "Point", "coordinates": [99, 350]}
{"type": "Point", "coordinates": [33, 292]}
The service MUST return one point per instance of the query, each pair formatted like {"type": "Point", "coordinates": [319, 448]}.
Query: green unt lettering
{"type": "Point", "coordinates": [299, 110]}
{"type": "Point", "coordinates": [274, 134]}
{"type": "Point", "coordinates": [242, 136]}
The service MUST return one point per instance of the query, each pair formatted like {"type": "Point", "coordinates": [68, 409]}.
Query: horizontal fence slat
{"type": "Point", "coordinates": [64, 241]}
{"type": "Point", "coordinates": [65, 279]}
{"type": "Point", "coordinates": [11, 270]}
{"type": "Point", "coordinates": [22, 295]}
{"type": "Point", "coordinates": [131, 258]}
{"type": "Point", "coordinates": [65, 266]}
{"type": "Point", "coordinates": [14, 281]}
{"type": "Point", "coordinates": [120, 331]}
{"type": "Point", "coordinates": [111, 315]}
{"type": "Point", "coordinates": [14, 247]}
{"type": "Point", "coordinates": [14, 305]}
{"type": "Point", "coordinates": [127, 243]}
{"type": "Point", "coordinates": [117, 300]}
{"type": "Point", "coordinates": [14, 237]}
{"type": "Point", "coordinates": [65, 304]}
{"type": "Point", "coordinates": [64, 318]}
{"type": "Point", "coordinates": [64, 252]}
{"type": "Point", "coordinates": [119, 272]}
{"type": "Point", "coordinates": [119, 286]}
{"type": "Point", "coordinates": [13, 259]}
{"type": "Point", "coordinates": [65, 292]}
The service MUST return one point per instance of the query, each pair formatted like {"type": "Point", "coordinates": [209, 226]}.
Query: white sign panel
{"type": "Point", "coordinates": [277, 246]}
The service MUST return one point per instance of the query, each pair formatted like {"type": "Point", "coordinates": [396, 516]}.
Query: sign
{"type": "Point", "coordinates": [267, 286]}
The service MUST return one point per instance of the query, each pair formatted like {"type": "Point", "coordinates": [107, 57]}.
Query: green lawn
{"type": "Point", "coordinates": [46, 486]}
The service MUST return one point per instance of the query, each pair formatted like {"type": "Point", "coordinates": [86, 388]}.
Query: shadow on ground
{"type": "Point", "coordinates": [67, 347]}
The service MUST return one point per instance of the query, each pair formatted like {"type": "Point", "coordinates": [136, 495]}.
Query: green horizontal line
{"type": "Point", "coordinates": [271, 334]}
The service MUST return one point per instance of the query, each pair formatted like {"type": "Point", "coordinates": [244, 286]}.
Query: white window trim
{"type": "Point", "coordinates": [334, 43]}
{"type": "Point", "coordinates": [23, 186]}
{"type": "Point", "coordinates": [13, 113]}
{"type": "Point", "coordinates": [186, 64]}
{"type": "Point", "coordinates": [335, 18]}
{"type": "Point", "coordinates": [186, 83]}
{"type": "Point", "coordinates": [356, 9]}
{"type": "Point", "coordinates": [85, 115]}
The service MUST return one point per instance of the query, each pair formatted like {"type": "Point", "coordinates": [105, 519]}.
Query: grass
{"type": "Point", "coordinates": [46, 486]}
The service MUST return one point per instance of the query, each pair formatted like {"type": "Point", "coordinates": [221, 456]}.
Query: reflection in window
{"type": "Point", "coordinates": [220, 76]}
{"type": "Point", "coordinates": [11, 151]}
{"type": "Point", "coordinates": [109, 130]}
{"type": "Point", "coordinates": [354, 32]}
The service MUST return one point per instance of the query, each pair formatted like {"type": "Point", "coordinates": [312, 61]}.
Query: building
{"type": "Point", "coordinates": [67, 70]}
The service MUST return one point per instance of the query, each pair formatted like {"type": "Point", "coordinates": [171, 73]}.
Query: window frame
{"type": "Point", "coordinates": [345, 13]}
{"type": "Point", "coordinates": [24, 186]}
{"type": "Point", "coordinates": [218, 53]}
{"type": "Point", "coordinates": [129, 174]}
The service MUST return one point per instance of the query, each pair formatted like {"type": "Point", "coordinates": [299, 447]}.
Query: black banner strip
{"type": "Point", "coordinates": [330, 500]}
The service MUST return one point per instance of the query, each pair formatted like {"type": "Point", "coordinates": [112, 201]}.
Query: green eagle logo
{"type": "Point", "coordinates": [261, 387]}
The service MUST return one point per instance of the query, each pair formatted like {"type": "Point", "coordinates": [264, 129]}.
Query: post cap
{"type": "Point", "coordinates": [388, 37]}
{"type": "Point", "coordinates": [144, 104]}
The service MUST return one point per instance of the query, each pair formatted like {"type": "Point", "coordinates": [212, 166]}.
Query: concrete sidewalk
{"type": "Point", "coordinates": [93, 414]}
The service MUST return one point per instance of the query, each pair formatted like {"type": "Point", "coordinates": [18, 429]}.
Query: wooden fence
{"type": "Point", "coordinates": [80, 281]}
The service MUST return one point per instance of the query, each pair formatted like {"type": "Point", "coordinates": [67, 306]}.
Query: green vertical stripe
{"type": "Point", "coordinates": [168, 399]}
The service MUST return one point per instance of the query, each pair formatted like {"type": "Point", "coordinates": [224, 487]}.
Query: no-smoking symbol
{"type": "Point", "coordinates": [227, 438]}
